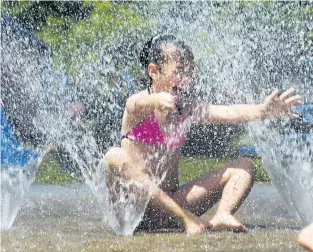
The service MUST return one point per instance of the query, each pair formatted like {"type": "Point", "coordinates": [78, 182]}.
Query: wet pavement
{"type": "Point", "coordinates": [69, 219]}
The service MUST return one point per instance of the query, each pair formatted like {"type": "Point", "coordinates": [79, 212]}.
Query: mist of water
{"type": "Point", "coordinates": [242, 53]}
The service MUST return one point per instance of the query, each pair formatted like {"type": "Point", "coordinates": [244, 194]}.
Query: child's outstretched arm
{"type": "Point", "coordinates": [274, 106]}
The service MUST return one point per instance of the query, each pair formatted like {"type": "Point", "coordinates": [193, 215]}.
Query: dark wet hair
{"type": "Point", "coordinates": [152, 52]}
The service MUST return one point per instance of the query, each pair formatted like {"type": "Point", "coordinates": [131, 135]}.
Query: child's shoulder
{"type": "Point", "coordinates": [139, 94]}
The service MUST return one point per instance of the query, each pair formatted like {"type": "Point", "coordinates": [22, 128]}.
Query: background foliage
{"type": "Point", "coordinates": [75, 30]}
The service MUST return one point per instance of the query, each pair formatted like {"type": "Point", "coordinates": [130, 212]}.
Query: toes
{"type": "Point", "coordinates": [209, 225]}
{"type": "Point", "coordinates": [240, 229]}
{"type": "Point", "coordinates": [226, 224]}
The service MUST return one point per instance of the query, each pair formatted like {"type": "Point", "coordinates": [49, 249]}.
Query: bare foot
{"type": "Point", "coordinates": [194, 225]}
{"type": "Point", "coordinates": [226, 222]}
{"type": "Point", "coordinates": [306, 238]}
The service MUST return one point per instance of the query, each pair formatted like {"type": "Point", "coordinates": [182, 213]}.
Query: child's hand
{"type": "Point", "coordinates": [279, 105]}
{"type": "Point", "coordinates": [165, 101]}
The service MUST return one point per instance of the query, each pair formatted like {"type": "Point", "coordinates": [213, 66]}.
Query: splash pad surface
{"type": "Point", "coordinates": [69, 219]}
{"type": "Point", "coordinates": [239, 53]}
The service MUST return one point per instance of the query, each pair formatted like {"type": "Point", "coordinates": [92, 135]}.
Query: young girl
{"type": "Point", "coordinates": [154, 127]}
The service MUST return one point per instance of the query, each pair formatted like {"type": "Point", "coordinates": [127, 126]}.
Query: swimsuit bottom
{"type": "Point", "coordinates": [153, 221]}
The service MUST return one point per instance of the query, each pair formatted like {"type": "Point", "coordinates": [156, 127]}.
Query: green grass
{"type": "Point", "coordinates": [50, 172]}
{"type": "Point", "coordinates": [193, 167]}
{"type": "Point", "coordinates": [190, 168]}
{"type": "Point", "coordinates": [260, 174]}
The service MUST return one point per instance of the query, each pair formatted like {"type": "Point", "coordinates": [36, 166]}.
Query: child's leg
{"type": "Point", "coordinates": [306, 238]}
{"type": "Point", "coordinates": [121, 165]}
{"type": "Point", "coordinates": [230, 184]}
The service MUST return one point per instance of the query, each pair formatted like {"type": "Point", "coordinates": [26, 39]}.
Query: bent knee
{"type": "Point", "coordinates": [247, 165]}
{"type": "Point", "coordinates": [115, 156]}
{"type": "Point", "coordinates": [244, 167]}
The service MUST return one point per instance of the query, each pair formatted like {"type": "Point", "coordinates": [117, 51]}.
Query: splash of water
{"type": "Point", "coordinates": [288, 159]}
{"type": "Point", "coordinates": [15, 182]}
{"type": "Point", "coordinates": [25, 72]}
{"type": "Point", "coordinates": [241, 54]}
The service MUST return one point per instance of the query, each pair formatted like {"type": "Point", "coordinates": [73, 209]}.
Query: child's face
{"type": "Point", "coordinates": [173, 73]}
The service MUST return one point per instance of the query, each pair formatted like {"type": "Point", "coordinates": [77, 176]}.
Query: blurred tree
{"type": "Point", "coordinates": [72, 27]}
{"type": "Point", "coordinates": [78, 31]}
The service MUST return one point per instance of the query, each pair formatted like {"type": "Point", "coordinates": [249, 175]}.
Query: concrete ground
{"type": "Point", "coordinates": [69, 219]}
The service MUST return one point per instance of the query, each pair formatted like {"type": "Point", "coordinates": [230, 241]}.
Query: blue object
{"type": "Point", "coordinates": [130, 86]}
{"type": "Point", "coordinates": [12, 153]}
{"type": "Point", "coordinates": [130, 82]}
{"type": "Point", "coordinates": [11, 26]}
{"type": "Point", "coordinates": [249, 151]}
{"type": "Point", "coordinates": [307, 111]}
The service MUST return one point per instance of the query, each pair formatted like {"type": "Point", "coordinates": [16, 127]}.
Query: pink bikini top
{"type": "Point", "coordinates": [149, 132]}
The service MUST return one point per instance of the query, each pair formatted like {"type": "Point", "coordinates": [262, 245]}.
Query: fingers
{"type": "Point", "coordinates": [289, 99]}
{"type": "Point", "coordinates": [167, 101]}
{"type": "Point", "coordinates": [167, 106]}
{"type": "Point", "coordinates": [293, 101]}
{"type": "Point", "coordinates": [273, 94]}
{"type": "Point", "coordinates": [293, 116]}
{"type": "Point", "coordinates": [286, 94]}
{"type": "Point", "coordinates": [289, 115]}
{"type": "Point", "coordinates": [171, 104]}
